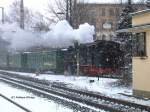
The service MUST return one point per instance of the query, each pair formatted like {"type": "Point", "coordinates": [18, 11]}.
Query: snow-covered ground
{"type": "Point", "coordinates": [8, 107]}
{"type": "Point", "coordinates": [103, 85]}
{"type": "Point", "coordinates": [106, 86]}
{"type": "Point", "coordinates": [28, 100]}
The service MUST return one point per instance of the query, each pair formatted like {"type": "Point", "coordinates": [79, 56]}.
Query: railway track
{"type": "Point", "coordinates": [16, 104]}
{"type": "Point", "coordinates": [90, 99]}
{"type": "Point", "coordinates": [47, 93]}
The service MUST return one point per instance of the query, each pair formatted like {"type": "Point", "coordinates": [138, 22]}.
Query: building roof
{"type": "Point", "coordinates": [135, 28]}
{"type": "Point", "coordinates": [140, 12]}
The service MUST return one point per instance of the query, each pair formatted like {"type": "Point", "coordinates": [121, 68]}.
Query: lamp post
{"type": "Point", "coordinates": [2, 14]}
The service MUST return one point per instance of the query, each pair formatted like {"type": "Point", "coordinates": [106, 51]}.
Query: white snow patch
{"type": "Point", "coordinates": [31, 102]}
{"type": "Point", "coordinates": [6, 106]}
{"type": "Point", "coordinates": [104, 85]}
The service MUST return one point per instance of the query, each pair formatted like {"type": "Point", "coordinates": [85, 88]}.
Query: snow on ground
{"type": "Point", "coordinates": [28, 100]}
{"type": "Point", "coordinates": [6, 106]}
{"type": "Point", "coordinates": [105, 86]}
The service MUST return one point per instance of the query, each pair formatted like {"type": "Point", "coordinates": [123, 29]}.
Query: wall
{"type": "Point", "coordinates": [96, 17]}
{"type": "Point", "coordinates": [141, 19]}
{"type": "Point", "coordinates": [141, 72]}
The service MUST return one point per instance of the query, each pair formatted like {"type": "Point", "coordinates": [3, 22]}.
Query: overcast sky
{"type": "Point", "coordinates": [37, 5]}
{"type": "Point", "coordinates": [41, 5]}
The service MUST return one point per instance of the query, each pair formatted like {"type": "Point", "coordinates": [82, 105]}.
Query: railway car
{"type": "Point", "coordinates": [98, 58]}
{"type": "Point", "coordinates": [37, 61]}
{"type": "Point", "coordinates": [14, 61]}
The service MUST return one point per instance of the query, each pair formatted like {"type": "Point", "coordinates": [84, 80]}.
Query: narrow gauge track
{"type": "Point", "coordinates": [16, 104]}
{"type": "Point", "coordinates": [43, 88]}
{"type": "Point", "coordinates": [45, 94]}
{"type": "Point", "coordinates": [98, 101]}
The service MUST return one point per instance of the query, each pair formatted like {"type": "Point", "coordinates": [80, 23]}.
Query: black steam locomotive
{"type": "Point", "coordinates": [97, 58]}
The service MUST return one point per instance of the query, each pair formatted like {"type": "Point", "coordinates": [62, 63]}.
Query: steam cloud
{"type": "Point", "coordinates": [61, 35]}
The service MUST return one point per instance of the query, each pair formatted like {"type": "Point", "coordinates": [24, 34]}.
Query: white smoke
{"type": "Point", "coordinates": [61, 35]}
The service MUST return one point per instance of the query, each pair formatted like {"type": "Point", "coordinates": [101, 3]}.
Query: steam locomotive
{"type": "Point", "coordinates": [96, 58]}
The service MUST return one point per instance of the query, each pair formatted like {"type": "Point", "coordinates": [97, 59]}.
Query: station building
{"type": "Point", "coordinates": [141, 59]}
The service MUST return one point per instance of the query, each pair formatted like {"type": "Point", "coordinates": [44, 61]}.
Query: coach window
{"type": "Point", "coordinates": [139, 45]}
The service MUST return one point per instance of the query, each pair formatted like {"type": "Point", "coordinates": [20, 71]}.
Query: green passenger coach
{"type": "Point", "coordinates": [37, 61]}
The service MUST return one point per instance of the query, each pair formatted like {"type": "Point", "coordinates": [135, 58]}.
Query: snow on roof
{"type": "Point", "coordinates": [135, 28]}
{"type": "Point", "coordinates": [140, 12]}
{"type": "Point", "coordinates": [99, 1]}
{"type": "Point", "coordinates": [106, 1]}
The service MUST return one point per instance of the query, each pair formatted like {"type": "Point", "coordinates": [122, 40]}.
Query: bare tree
{"type": "Point", "coordinates": [71, 10]}
{"type": "Point", "coordinates": [39, 22]}
{"type": "Point", "coordinates": [32, 20]}
{"type": "Point", "coordinates": [57, 9]}
{"type": "Point", "coordinates": [15, 13]}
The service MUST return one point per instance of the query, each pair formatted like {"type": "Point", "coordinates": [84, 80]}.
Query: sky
{"type": "Point", "coordinates": [34, 5]}
{"type": "Point", "coordinates": [37, 5]}
{"type": "Point", "coordinates": [41, 5]}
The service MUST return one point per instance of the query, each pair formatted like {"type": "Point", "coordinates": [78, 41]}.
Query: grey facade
{"type": "Point", "coordinates": [103, 16]}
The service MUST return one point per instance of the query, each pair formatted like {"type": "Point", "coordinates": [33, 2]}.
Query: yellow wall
{"type": "Point", "coordinates": [141, 19]}
{"type": "Point", "coordinates": [141, 69]}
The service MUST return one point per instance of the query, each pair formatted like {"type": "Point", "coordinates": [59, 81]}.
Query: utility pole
{"type": "Point", "coordinates": [2, 14]}
{"type": "Point", "coordinates": [121, 2]}
{"type": "Point", "coordinates": [74, 14]}
{"type": "Point", "coordinates": [69, 10]}
{"type": "Point", "coordinates": [129, 2]}
{"type": "Point", "coordinates": [22, 14]}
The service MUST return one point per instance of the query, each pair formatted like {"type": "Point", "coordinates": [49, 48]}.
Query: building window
{"type": "Point", "coordinates": [103, 11]}
{"type": "Point", "coordinates": [139, 44]}
{"type": "Point", "coordinates": [107, 25]}
{"type": "Point", "coordinates": [111, 12]}
{"type": "Point", "coordinates": [93, 13]}
{"type": "Point", "coordinates": [117, 11]}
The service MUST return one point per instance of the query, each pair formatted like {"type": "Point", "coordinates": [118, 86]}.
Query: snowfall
{"type": "Point", "coordinates": [105, 86]}
{"type": "Point", "coordinates": [22, 39]}
{"type": "Point", "coordinates": [27, 100]}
